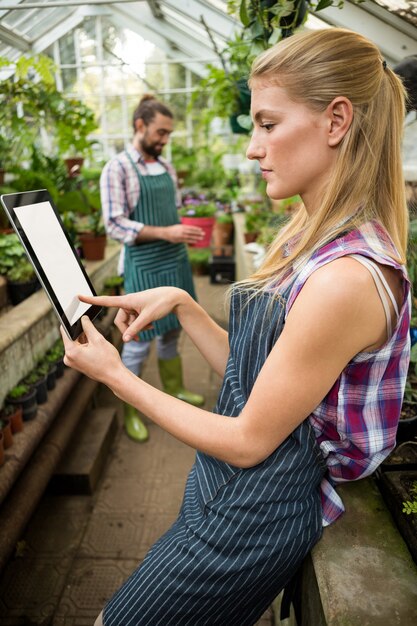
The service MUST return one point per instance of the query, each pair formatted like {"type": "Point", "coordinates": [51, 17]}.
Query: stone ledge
{"type": "Point", "coordinates": [365, 574]}
{"type": "Point", "coordinates": [31, 327]}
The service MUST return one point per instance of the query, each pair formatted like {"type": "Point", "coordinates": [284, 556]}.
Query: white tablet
{"type": "Point", "coordinates": [53, 256]}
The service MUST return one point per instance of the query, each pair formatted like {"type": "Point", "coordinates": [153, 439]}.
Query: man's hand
{"type": "Point", "coordinates": [181, 233]}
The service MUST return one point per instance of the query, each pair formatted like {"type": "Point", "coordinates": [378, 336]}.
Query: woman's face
{"type": "Point", "coordinates": [290, 141]}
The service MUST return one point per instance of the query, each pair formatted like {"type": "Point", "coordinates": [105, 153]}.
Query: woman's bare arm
{"type": "Point", "coordinates": [337, 314]}
{"type": "Point", "coordinates": [138, 310]}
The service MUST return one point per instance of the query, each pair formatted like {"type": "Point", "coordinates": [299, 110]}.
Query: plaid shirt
{"type": "Point", "coordinates": [356, 423]}
{"type": "Point", "coordinates": [120, 190]}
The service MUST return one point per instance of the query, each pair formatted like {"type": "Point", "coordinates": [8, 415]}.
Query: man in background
{"type": "Point", "coordinates": [139, 198]}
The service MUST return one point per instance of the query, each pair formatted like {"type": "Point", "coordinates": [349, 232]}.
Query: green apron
{"type": "Point", "coordinates": [157, 263]}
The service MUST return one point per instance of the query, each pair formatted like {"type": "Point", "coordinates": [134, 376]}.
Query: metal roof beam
{"type": "Point", "coordinates": [10, 38]}
{"type": "Point", "coordinates": [161, 33]}
{"type": "Point", "coordinates": [160, 41]}
{"type": "Point", "coordinates": [390, 33]}
{"type": "Point", "coordinates": [219, 22]}
{"type": "Point", "coordinates": [43, 42]}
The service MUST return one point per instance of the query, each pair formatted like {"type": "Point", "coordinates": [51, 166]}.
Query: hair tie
{"type": "Point", "coordinates": [384, 65]}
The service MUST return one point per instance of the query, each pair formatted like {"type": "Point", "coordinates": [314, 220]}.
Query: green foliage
{"type": "Point", "coordinates": [224, 218]}
{"type": "Point", "coordinates": [22, 273]}
{"type": "Point", "coordinates": [13, 260]}
{"type": "Point", "coordinates": [199, 256]}
{"type": "Point", "coordinates": [29, 102]}
{"type": "Point", "coordinates": [410, 506]}
{"type": "Point", "coordinates": [198, 210]}
{"type": "Point", "coordinates": [19, 391]}
{"type": "Point", "coordinates": [75, 122]}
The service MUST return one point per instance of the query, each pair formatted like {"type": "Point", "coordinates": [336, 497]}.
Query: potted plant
{"type": "Point", "coordinates": [14, 265]}
{"type": "Point", "coordinates": [113, 286]}
{"type": "Point", "coordinates": [24, 396]}
{"type": "Point", "coordinates": [37, 379]}
{"type": "Point", "coordinates": [55, 356]}
{"type": "Point", "coordinates": [200, 213]}
{"type": "Point", "coordinates": [199, 260]}
{"type": "Point", "coordinates": [14, 413]}
{"type": "Point", "coordinates": [75, 122]}
{"type": "Point", "coordinates": [6, 429]}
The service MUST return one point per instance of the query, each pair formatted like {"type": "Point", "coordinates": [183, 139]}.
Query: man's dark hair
{"type": "Point", "coordinates": [407, 70]}
{"type": "Point", "coordinates": [147, 108]}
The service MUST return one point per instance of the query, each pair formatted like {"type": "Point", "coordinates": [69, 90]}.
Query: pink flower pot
{"type": "Point", "coordinates": [206, 224]}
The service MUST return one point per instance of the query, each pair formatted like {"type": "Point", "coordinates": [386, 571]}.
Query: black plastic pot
{"type": "Point", "coordinates": [51, 377]}
{"type": "Point", "coordinates": [20, 291]}
{"type": "Point", "coordinates": [41, 390]}
{"type": "Point", "coordinates": [407, 425]}
{"type": "Point", "coordinates": [60, 368]}
{"type": "Point", "coordinates": [28, 403]}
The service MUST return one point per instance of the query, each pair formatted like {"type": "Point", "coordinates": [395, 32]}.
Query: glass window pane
{"type": "Point", "coordinates": [176, 76]}
{"type": "Point", "coordinates": [69, 80]}
{"type": "Point", "coordinates": [66, 49]}
{"type": "Point", "coordinates": [87, 41]}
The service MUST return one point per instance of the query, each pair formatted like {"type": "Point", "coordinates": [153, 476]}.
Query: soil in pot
{"type": "Point", "coordinates": [397, 488]}
{"type": "Point", "coordinates": [403, 457]}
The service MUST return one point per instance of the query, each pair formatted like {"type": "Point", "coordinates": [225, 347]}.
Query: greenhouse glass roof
{"type": "Point", "coordinates": [189, 29]}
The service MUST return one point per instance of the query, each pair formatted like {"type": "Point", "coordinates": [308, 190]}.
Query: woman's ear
{"type": "Point", "coordinates": [340, 115]}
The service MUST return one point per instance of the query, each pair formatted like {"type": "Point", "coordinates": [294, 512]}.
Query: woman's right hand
{"type": "Point", "coordinates": [137, 311]}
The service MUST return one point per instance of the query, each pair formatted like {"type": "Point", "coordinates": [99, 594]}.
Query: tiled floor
{"type": "Point", "coordinates": [78, 550]}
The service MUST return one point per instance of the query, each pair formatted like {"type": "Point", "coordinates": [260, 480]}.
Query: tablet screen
{"type": "Point", "coordinates": [54, 254]}
{"type": "Point", "coordinates": [51, 252]}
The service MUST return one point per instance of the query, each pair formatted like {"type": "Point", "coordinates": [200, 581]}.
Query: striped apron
{"type": "Point", "coordinates": [157, 263]}
{"type": "Point", "coordinates": [241, 534]}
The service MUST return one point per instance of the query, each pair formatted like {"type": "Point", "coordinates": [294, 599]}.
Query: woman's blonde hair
{"type": "Point", "coordinates": [367, 181]}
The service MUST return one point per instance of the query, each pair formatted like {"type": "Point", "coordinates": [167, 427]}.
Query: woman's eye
{"type": "Point", "coordinates": [267, 127]}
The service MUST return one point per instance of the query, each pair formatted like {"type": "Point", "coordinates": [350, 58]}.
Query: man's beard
{"type": "Point", "coordinates": [150, 148]}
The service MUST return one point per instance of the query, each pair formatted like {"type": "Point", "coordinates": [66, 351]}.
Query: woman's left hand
{"type": "Point", "coordinates": [91, 354]}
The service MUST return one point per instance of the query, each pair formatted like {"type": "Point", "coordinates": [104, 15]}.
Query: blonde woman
{"type": "Point", "coordinates": [315, 360]}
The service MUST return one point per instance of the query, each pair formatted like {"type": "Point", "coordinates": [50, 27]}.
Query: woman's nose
{"type": "Point", "coordinates": [255, 150]}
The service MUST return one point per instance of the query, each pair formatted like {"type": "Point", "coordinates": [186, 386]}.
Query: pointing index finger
{"type": "Point", "coordinates": [102, 300]}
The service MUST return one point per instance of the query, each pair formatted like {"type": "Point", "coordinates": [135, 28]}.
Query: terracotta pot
{"type": "Point", "coordinates": [1, 450]}
{"type": "Point", "coordinates": [16, 419]}
{"type": "Point", "coordinates": [7, 432]}
{"type": "Point", "coordinates": [74, 166]}
{"type": "Point", "coordinates": [206, 224]}
{"type": "Point", "coordinates": [250, 237]}
{"type": "Point", "coordinates": [222, 234]}
{"type": "Point", "coordinates": [93, 246]}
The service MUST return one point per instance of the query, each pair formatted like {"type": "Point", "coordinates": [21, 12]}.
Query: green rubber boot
{"type": "Point", "coordinates": [134, 426]}
{"type": "Point", "coordinates": [170, 371]}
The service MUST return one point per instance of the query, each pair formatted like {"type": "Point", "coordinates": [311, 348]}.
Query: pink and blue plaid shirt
{"type": "Point", "coordinates": [356, 423]}
{"type": "Point", "coordinates": [120, 190]}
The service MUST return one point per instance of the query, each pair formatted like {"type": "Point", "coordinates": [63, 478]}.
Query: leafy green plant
{"type": "Point", "coordinates": [13, 260]}
{"type": "Point", "coordinates": [224, 218]}
{"type": "Point", "coordinates": [199, 256]}
{"type": "Point", "coordinates": [19, 391]}
{"type": "Point", "coordinates": [75, 122]}
{"type": "Point", "coordinates": [198, 210]}
{"type": "Point", "coordinates": [21, 273]}
{"type": "Point", "coordinates": [410, 506]}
